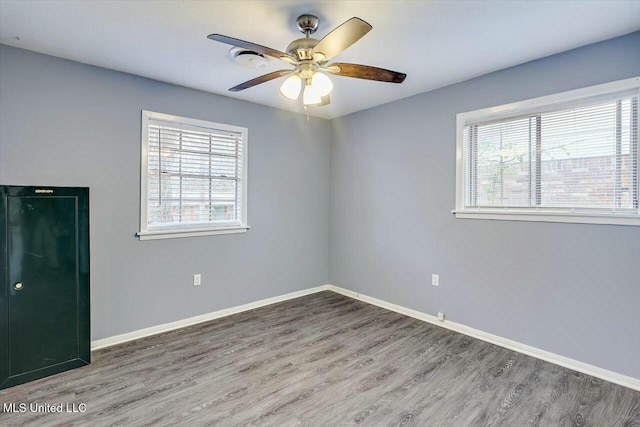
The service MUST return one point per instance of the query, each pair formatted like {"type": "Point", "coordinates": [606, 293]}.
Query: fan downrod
{"type": "Point", "coordinates": [307, 24]}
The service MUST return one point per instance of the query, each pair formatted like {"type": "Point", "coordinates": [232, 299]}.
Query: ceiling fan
{"type": "Point", "coordinates": [310, 57]}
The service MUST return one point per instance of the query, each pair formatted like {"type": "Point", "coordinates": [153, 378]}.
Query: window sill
{"type": "Point", "coordinates": [547, 216]}
{"type": "Point", "coordinates": [196, 232]}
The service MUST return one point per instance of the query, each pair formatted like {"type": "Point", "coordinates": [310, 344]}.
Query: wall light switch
{"type": "Point", "coordinates": [435, 280]}
{"type": "Point", "coordinates": [197, 278]}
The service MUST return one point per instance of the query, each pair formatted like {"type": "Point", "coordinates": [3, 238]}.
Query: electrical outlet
{"type": "Point", "coordinates": [441, 316]}
{"type": "Point", "coordinates": [435, 280]}
{"type": "Point", "coordinates": [197, 278]}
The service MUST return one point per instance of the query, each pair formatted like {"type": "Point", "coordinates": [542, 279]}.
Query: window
{"type": "Point", "coordinates": [194, 177]}
{"type": "Point", "coordinates": [570, 157]}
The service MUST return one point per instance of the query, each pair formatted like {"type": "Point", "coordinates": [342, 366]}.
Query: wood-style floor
{"type": "Point", "coordinates": [322, 360]}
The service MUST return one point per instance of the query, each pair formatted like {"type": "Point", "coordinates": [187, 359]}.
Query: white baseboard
{"type": "Point", "coordinates": [166, 327]}
{"type": "Point", "coordinates": [614, 377]}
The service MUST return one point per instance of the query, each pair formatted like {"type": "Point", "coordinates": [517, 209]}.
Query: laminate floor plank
{"type": "Point", "coordinates": [321, 360]}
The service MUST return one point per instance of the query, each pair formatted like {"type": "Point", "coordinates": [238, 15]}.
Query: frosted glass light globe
{"type": "Point", "coordinates": [321, 83]}
{"type": "Point", "coordinates": [291, 87]}
{"type": "Point", "coordinates": [311, 95]}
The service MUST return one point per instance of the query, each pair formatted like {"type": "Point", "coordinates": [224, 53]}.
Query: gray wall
{"type": "Point", "coordinates": [67, 124]}
{"type": "Point", "coordinates": [567, 288]}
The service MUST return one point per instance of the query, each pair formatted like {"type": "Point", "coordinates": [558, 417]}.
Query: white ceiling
{"type": "Point", "coordinates": [435, 42]}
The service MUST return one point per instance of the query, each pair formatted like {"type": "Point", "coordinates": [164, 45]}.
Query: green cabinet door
{"type": "Point", "coordinates": [44, 306]}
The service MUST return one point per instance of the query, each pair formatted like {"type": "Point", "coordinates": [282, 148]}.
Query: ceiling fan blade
{"type": "Point", "coordinates": [258, 80]}
{"type": "Point", "coordinates": [342, 37]}
{"type": "Point", "coordinates": [252, 46]}
{"type": "Point", "coordinates": [365, 72]}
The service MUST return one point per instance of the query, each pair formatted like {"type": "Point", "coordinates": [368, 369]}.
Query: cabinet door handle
{"type": "Point", "coordinates": [18, 286]}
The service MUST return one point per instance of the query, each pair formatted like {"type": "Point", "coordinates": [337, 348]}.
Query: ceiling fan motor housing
{"type": "Point", "coordinates": [301, 48]}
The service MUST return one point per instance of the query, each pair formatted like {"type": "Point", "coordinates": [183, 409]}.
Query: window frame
{"type": "Point", "coordinates": [176, 232]}
{"type": "Point", "coordinates": [532, 106]}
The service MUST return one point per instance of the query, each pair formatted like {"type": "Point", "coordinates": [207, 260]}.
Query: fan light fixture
{"type": "Point", "coordinates": [315, 88]}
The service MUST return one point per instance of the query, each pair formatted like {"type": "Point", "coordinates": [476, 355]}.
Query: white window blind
{"type": "Point", "coordinates": [194, 175]}
{"type": "Point", "coordinates": [577, 157]}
